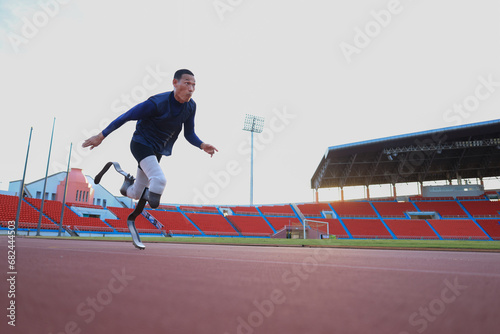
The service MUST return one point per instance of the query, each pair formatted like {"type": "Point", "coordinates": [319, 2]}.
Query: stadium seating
{"type": "Point", "coordinates": [357, 219]}
{"type": "Point", "coordinates": [251, 225]}
{"type": "Point", "coordinates": [446, 209]}
{"type": "Point", "coordinates": [53, 210]}
{"type": "Point", "coordinates": [279, 222]}
{"type": "Point", "coordinates": [163, 207]}
{"type": "Point", "coordinates": [457, 229]}
{"type": "Point", "coordinates": [482, 209]}
{"type": "Point", "coordinates": [118, 225]}
{"type": "Point", "coordinates": [208, 209]}
{"type": "Point", "coordinates": [28, 215]}
{"type": "Point", "coordinates": [422, 198]}
{"type": "Point", "coordinates": [174, 222]}
{"type": "Point", "coordinates": [480, 197]}
{"type": "Point", "coordinates": [393, 209]}
{"type": "Point", "coordinates": [353, 209]}
{"type": "Point", "coordinates": [85, 205]}
{"type": "Point", "coordinates": [366, 228]}
{"type": "Point", "coordinates": [91, 224]}
{"type": "Point", "coordinates": [411, 229]}
{"type": "Point", "coordinates": [491, 226]}
{"type": "Point", "coordinates": [141, 223]}
{"type": "Point", "coordinates": [277, 210]}
{"type": "Point", "coordinates": [244, 210]}
{"type": "Point", "coordinates": [313, 210]}
{"type": "Point", "coordinates": [212, 224]}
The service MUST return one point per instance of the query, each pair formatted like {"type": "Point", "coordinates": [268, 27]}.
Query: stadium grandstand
{"type": "Point", "coordinates": [456, 210]}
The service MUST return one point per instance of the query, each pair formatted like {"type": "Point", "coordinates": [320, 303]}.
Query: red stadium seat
{"type": "Point", "coordinates": [446, 209]}
{"type": "Point", "coordinates": [251, 225]}
{"type": "Point", "coordinates": [482, 209]}
{"type": "Point", "coordinates": [366, 228]}
{"type": "Point", "coordinates": [353, 209]}
{"type": "Point", "coordinates": [393, 209]}
{"type": "Point", "coordinates": [457, 229]}
{"type": "Point", "coordinates": [212, 224]}
{"type": "Point", "coordinates": [174, 222]}
{"type": "Point", "coordinates": [411, 229]}
{"type": "Point", "coordinates": [141, 223]}
{"type": "Point", "coordinates": [313, 209]}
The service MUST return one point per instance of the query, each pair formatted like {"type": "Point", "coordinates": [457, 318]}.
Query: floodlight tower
{"type": "Point", "coordinates": [253, 124]}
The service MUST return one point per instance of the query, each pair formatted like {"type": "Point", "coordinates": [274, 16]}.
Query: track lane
{"type": "Point", "coordinates": [110, 287]}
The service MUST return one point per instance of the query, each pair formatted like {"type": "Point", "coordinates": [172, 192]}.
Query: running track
{"type": "Point", "coordinates": [70, 286]}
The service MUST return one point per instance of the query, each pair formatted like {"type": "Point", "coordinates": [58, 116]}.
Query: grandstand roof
{"type": "Point", "coordinates": [466, 151]}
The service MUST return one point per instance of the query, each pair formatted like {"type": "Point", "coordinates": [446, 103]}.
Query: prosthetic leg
{"type": "Point", "coordinates": [129, 180]}
{"type": "Point", "coordinates": [136, 240]}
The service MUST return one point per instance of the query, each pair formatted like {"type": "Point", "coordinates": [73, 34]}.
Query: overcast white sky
{"type": "Point", "coordinates": [322, 73]}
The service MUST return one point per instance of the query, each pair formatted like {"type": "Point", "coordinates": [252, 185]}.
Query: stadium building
{"type": "Point", "coordinates": [462, 156]}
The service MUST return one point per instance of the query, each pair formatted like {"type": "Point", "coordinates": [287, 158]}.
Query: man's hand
{"type": "Point", "coordinates": [93, 141]}
{"type": "Point", "coordinates": [210, 149]}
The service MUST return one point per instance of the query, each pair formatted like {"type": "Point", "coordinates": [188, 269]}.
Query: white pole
{"type": "Point", "coordinates": [304, 227]}
{"type": "Point", "coordinates": [45, 182]}
{"type": "Point", "coordinates": [65, 190]}
{"type": "Point", "coordinates": [251, 169]}
{"type": "Point", "coordinates": [21, 190]}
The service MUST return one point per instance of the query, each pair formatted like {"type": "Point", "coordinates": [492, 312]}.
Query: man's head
{"type": "Point", "coordinates": [184, 85]}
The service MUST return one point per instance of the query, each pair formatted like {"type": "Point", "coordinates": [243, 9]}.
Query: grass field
{"type": "Point", "coordinates": [471, 245]}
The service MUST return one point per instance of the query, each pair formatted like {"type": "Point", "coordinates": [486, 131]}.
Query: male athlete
{"type": "Point", "coordinates": [159, 122]}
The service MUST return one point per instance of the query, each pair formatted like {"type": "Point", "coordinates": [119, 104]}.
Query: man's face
{"type": "Point", "coordinates": [184, 88]}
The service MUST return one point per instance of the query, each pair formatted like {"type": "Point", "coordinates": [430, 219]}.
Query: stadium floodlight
{"type": "Point", "coordinates": [253, 124]}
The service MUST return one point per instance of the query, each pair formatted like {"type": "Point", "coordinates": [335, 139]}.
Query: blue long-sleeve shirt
{"type": "Point", "coordinates": [160, 120]}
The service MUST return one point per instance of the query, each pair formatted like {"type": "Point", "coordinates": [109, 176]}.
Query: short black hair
{"type": "Point", "coordinates": [179, 73]}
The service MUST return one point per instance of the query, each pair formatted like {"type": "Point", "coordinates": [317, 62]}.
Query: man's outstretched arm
{"type": "Point", "coordinates": [142, 110]}
{"type": "Point", "coordinates": [191, 137]}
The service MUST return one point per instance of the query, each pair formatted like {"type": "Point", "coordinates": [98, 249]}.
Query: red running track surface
{"type": "Point", "coordinates": [72, 286]}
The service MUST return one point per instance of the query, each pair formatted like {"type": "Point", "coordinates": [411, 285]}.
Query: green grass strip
{"type": "Point", "coordinates": [352, 243]}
